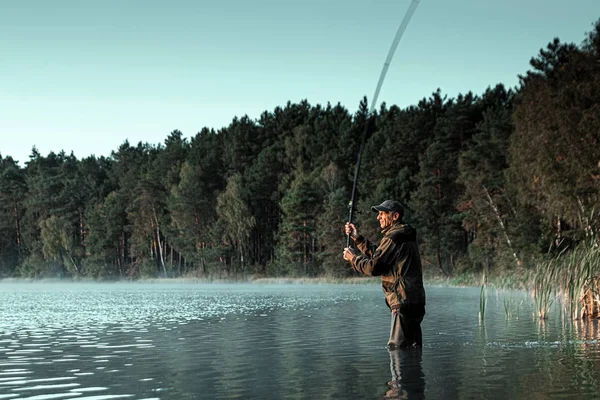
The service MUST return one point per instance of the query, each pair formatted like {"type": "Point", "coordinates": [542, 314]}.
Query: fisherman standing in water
{"type": "Point", "coordinates": [396, 259]}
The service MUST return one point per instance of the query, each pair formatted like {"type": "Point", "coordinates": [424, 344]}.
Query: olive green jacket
{"type": "Point", "coordinates": [397, 260]}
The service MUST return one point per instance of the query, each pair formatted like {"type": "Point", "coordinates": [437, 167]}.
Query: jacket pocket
{"type": "Point", "coordinates": [400, 290]}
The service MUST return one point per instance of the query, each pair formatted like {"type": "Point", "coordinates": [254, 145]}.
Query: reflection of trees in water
{"type": "Point", "coordinates": [408, 379]}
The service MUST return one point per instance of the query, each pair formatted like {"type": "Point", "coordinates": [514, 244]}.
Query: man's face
{"type": "Point", "coordinates": [386, 218]}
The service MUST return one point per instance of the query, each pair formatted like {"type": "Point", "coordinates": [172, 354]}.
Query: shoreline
{"type": "Point", "coordinates": [249, 280]}
{"type": "Point", "coordinates": [462, 280]}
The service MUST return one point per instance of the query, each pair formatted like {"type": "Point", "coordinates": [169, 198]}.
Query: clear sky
{"type": "Point", "coordinates": [84, 76]}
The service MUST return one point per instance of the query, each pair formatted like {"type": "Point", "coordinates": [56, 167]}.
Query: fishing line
{"type": "Point", "coordinates": [409, 13]}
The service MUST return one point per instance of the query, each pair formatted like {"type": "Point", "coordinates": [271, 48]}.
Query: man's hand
{"type": "Point", "coordinates": [349, 254]}
{"type": "Point", "coordinates": [351, 230]}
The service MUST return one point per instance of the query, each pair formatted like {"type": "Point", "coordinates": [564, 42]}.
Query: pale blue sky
{"type": "Point", "coordinates": [84, 76]}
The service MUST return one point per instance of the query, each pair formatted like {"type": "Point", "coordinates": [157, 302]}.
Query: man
{"type": "Point", "coordinates": [396, 259]}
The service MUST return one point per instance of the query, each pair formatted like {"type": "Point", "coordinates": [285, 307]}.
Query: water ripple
{"type": "Point", "coordinates": [244, 341]}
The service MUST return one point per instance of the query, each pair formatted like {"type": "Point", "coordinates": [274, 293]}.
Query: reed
{"type": "Point", "coordinates": [570, 275]}
{"type": "Point", "coordinates": [544, 285]}
{"type": "Point", "coordinates": [507, 308]}
{"type": "Point", "coordinates": [483, 296]}
{"type": "Point", "coordinates": [586, 261]}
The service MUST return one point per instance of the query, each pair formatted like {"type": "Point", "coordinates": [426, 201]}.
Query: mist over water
{"type": "Point", "coordinates": [178, 341]}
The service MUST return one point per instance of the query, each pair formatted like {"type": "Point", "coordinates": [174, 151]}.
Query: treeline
{"type": "Point", "coordinates": [492, 181]}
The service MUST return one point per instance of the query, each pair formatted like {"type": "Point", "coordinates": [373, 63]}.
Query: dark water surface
{"type": "Point", "coordinates": [206, 341]}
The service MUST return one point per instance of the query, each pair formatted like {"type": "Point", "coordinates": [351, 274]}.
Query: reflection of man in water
{"type": "Point", "coordinates": [408, 379]}
{"type": "Point", "coordinates": [397, 260]}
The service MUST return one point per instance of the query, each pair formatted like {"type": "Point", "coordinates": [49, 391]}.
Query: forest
{"type": "Point", "coordinates": [497, 182]}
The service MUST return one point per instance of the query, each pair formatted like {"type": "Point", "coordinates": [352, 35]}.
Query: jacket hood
{"type": "Point", "coordinates": [399, 230]}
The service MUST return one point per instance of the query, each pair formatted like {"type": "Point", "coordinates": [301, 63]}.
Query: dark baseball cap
{"type": "Point", "coordinates": [389, 205]}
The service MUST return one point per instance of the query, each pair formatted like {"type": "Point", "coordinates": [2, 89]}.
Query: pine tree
{"type": "Point", "coordinates": [297, 232]}
{"type": "Point", "coordinates": [13, 190]}
{"type": "Point", "coordinates": [235, 223]}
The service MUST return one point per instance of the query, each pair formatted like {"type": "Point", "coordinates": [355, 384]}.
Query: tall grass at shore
{"type": "Point", "coordinates": [543, 286]}
{"type": "Point", "coordinates": [567, 275]}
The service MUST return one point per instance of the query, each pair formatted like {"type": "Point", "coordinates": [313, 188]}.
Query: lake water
{"type": "Point", "coordinates": [212, 341]}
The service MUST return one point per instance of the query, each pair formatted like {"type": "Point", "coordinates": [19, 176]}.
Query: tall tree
{"type": "Point", "coordinates": [107, 242]}
{"type": "Point", "coordinates": [55, 188]}
{"type": "Point", "coordinates": [235, 221]}
{"type": "Point", "coordinates": [438, 191]}
{"type": "Point", "coordinates": [329, 233]}
{"type": "Point", "coordinates": [487, 209]}
{"type": "Point", "coordinates": [13, 189]}
{"type": "Point", "coordinates": [58, 245]}
{"type": "Point", "coordinates": [140, 189]}
{"type": "Point", "coordinates": [297, 233]}
{"type": "Point", "coordinates": [263, 185]}
{"type": "Point", "coordinates": [192, 203]}
{"type": "Point", "coordinates": [555, 150]}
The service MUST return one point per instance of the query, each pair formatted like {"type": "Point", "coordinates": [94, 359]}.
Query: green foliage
{"type": "Point", "coordinates": [191, 204]}
{"type": "Point", "coordinates": [13, 189]}
{"type": "Point", "coordinates": [263, 181]}
{"type": "Point", "coordinates": [58, 245]}
{"type": "Point", "coordinates": [97, 268]}
{"type": "Point", "coordinates": [554, 152]}
{"type": "Point", "coordinates": [236, 222]}
{"type": "Point", "coordinates": [35, 266]}
{"type": "Point", "coordinates": [330, 236]}
{"type": "Point", "coordinates": [106, 241]}
{"type": "Point", "coordinates": [296, 244]}
{"type": "Point", "coordinates": [484, 204]}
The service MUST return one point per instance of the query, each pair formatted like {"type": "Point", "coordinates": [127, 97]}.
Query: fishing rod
{"type": "Point", "coordinates": [409, 13]}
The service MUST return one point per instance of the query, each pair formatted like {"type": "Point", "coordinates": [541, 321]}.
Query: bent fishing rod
{"type": "Point", "coordinates": [409, 13]}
